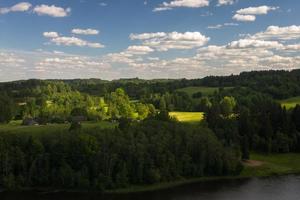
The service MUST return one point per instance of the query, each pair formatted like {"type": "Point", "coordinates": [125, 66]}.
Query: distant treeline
{"type": "Point", "coordinates": [278, 84]}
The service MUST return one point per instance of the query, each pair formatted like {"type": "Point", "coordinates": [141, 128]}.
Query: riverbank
{"type": "Point", "coordinates": [260, 166]}
{"type": "Point", "coordinates": [271, 165]}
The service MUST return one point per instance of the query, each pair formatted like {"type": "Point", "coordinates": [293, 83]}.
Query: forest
{"type": "Point", "coordinates": [240, 114]}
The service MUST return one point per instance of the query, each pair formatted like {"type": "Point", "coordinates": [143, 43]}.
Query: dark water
{"type": "Point", "coordinates": [275, 188]}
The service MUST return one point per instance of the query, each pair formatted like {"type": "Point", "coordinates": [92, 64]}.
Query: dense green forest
{"type": "Point", "coordinates": [242, 114]}
{"type": "Point", "coordinates": [140, 153]}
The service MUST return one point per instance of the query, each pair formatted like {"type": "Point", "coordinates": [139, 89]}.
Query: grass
{"type": "Point", "coordinates": [15, 127]}
{"type": "Point", "coordinates": [275, 164]}
{"type": "Point", "coordinates": [206, 91]}
{"type": "Point", "coordinates": [189, 117]}
{"type": "Point", "coordinates": [291, 102]}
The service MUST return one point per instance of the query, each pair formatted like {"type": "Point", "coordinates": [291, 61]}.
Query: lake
{"type": "Point", "coordinates": [272, 188]}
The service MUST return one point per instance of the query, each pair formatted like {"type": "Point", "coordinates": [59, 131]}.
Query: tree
{"type": "Point", "coordinates": [245, 131]}
{"type": "Point", "coordinates": [79, 112]}
{"type": "Point", "coordinates": [7, 108]}
{"type": "Point", "coordinates": [162, 104]}
{"type": "Point", "coordinates": [204, 104]}
{"type": "Point", "coordinates": [227, 105]}
{"type": "Point", "coordinates": [296, 117]}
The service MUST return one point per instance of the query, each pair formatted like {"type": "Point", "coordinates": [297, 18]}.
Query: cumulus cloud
{"type": "Point", "coordinates": [50, 34]}
{"type": "Point", "coordinates": [273, 48]}
{"type": "Point", "coordinates": [249, 14]}
{"type": "Point", "coordinates": [141, 50]}
{"type": "Point", "coordinates": [252, 43]}
{"type": "Point", "coordinates": [129, 56]}
{"type": "Point", "coordinates": [20, 7]}
{"type": "Point", "coordinates": [74, 41]}
{"type": "Point", "coordinates": [260, 10]}
{"type": "Point", "coordinates": [165, 41]}
{"type": "Point", "coordinates": [85, 31]}
{"type": "Point", "coordinates": [146, 36]}
{"type": "Point", "coordinates": [225, 2]}
{"type": "Point", "coordinates": [244, 18]}
{"type": "Point", "coordinates": [260, 51]}
{"type": "Point", "coordinates": [52, 10]}
{"type": "Point", "coordinates": [181, 3]}
{"type": "Point", "coordinates": [281, 33]}
{"type": "Point", "coordinates": [70, 41]}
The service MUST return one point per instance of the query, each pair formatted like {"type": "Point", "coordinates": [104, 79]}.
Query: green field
{"type": "Point", "coordinates": [273, 164]}
{"type": "Point", "coordinates": [291, 102]}
{"type": "Point", "coordinates": [206, 91]}
{"type": "Point", "coordinates": [187, 116]}
{"type": "Point", "coordinates": [15, 127]}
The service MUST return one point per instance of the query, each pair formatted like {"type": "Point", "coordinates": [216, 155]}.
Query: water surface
{"type": "Point", "coordinates": [274, 188]}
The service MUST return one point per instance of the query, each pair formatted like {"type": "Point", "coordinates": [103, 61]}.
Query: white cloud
{"type": "Point", "coordinates": [139, 50]}
{"type": "Point", "coordinates": [50, 34]}
{"type": "Point", "coordinates": [260, 10]}
{"type": "Point", "coordinates": [85, 31]}
{"type": "Point", "coordinates": [7, 59]}
{"type": "Point", "coordinates": [274, 48]}
{"type": "Point", "coordinates": [252, 43]}
{"type": "Point", "coordinates": [181, 3]}
{"type": "Point", "coordinates": [265, 52]}
{"type": "Point", "coordinates": [219, 26]}
{"type": "Point", "coordinates": [74, 41]}
{"type": "Point", "coordinates": [281, 33]}
{"type": "Point", "coordinates": [244, 18]}
{"type": "Point", "coordinates": [146, 36]}
{"type": "Point", "coordinates": [52, 10]}
{"type": "Point", "coordinates": [249, 14]}
{"type": "Point", "coordinates": [20, 7]}
{"type": "Point", "coordinates": [165, 41]}
{"type": "Point", "coordinates": [294, 47]}
{"type": "Point", "coordinates": [225, 2]}
{"type": "Point", "coordinates": [70, 41]}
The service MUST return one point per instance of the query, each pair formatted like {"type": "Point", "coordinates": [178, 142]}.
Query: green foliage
{"type": "Point", "coordinates": [7, 108]}
{"type": "Point", "coordinates": [227, 105]}
{"type": "Point", "coordinates": [79, 112]}
{"type": "Point", "coordinates": [148, 152]}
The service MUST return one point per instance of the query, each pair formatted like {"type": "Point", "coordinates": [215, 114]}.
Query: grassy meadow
{"type": "Point", "coordinates": [15, 127]}
{"type": "Point", "coordinates": [291, 102]}
{"type": "Point", "coordinates": [189, 117]}
{"type": "Point", "coordinates": [206, 91]}
{"type": "Point", "coordinates": [273, 164]}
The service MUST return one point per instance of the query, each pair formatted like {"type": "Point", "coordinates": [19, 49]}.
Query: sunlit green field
{"type": "Point", "coordinates": [206, 91]}
{"type": "Point", "coordinates": [187, 116]}
{"type": "Point", "coordinates": [291, 102]}
{"type": "Point", "coordinates": [16, 127]}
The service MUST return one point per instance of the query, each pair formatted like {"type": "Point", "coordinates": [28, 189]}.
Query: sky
{"type": "Point", "coordinates": [149, 39]}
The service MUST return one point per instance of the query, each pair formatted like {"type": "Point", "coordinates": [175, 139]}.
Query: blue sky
{"type": "Point", "coordinates": [112, 39]}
